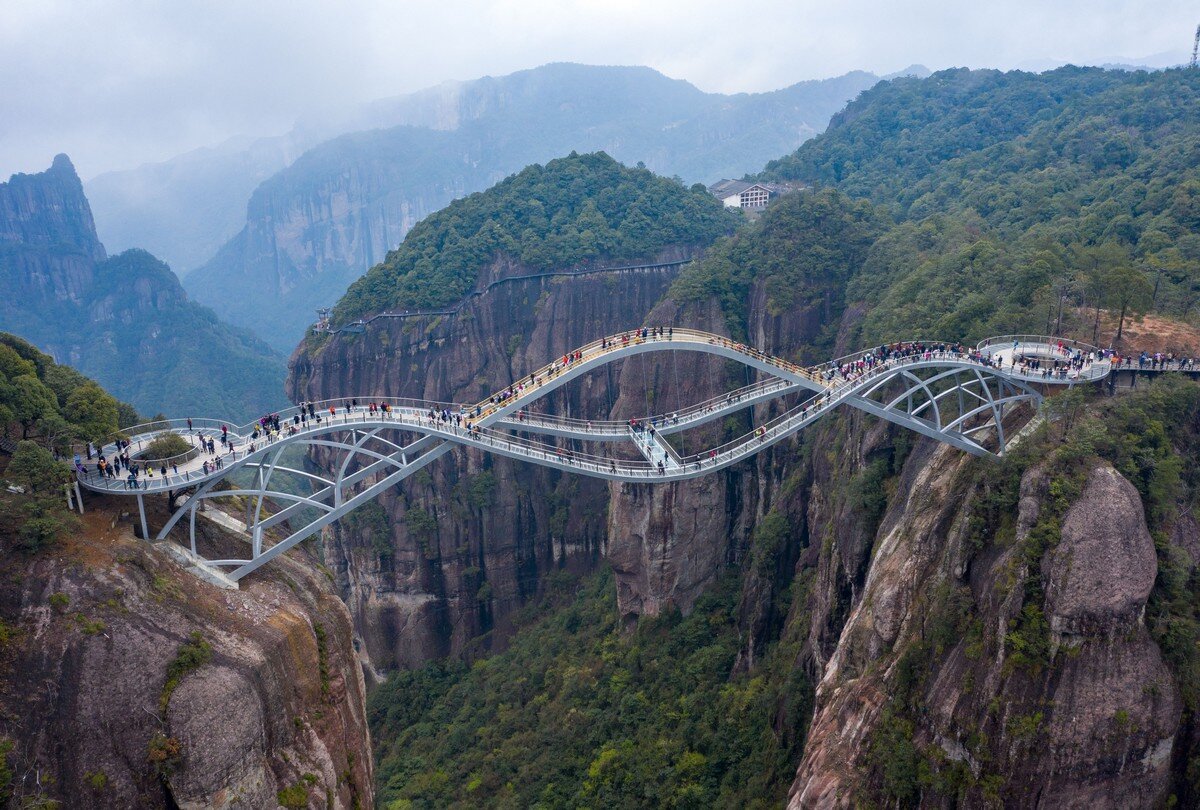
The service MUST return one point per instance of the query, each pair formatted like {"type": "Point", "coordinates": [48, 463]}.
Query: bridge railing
{"type": "Point", "coordinates": [613, 343]}
{"type": "Point", "coordinates": [854, 357]}
{"type": "Point", "coordinates": [1006, 341]}
{"type": "Point", "coordinates": [681, 416]}
{"type": "Point", "coordinates": [1060, 349]}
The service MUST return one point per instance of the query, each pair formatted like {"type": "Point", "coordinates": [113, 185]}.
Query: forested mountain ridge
{"type": "Point", "coordinates": [1015, 189]}
{"type": "Point", "coordinates": [571, 211]}
{"type": "Point", "coordinates": [325, 220]}
{"type": "Point", "coordinates": [124, 319]}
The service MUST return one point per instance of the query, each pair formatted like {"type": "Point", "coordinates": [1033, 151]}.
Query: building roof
{"type": "Point", "coordinates": [727, 188]}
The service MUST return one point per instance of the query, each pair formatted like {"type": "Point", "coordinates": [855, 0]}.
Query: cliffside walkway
{"type": "Point", "coordinates": [951, 393]}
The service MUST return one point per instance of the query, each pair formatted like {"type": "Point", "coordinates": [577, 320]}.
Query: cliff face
{"type": "Point", "coordinates": [310, 231]}
{"type": "Point", "coordinates": [124, 320]}
{"type": "Point", "coordinates": [48, 242]}
{"type": "Point", "coordinates": [1094, 728]}
{"type": "Point", "coordinates": [500, 526]}
{"type": "Point", "coordinates": [96, 627]}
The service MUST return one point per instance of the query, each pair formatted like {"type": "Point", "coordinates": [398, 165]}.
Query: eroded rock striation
{"type": "Point", "coordinates": [1092, 727]}
{"type": "Point", "coordinates": [111, 700]}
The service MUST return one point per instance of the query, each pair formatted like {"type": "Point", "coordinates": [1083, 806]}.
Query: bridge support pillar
{"type": "Point", "coordinates": [142, 514]}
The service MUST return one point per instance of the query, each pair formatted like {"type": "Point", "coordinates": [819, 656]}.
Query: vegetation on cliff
{"type": "Point", "coordinates": [577, 713]}
{"type": "Point", "coordinates": [40, 398]}
{"type": "Point", "coordinates": [1144, 437]}
{"type": "Point", "coordinates": [572, 210]}
{"type": "Point", "coordinates": [48, 407]}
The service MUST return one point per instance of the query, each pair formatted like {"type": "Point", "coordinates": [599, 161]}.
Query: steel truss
{"type": "Point", "coordinates": [954, 398]}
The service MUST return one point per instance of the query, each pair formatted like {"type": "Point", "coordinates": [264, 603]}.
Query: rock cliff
{"type": "Point", "coordinates": [126, 682]}
{"type": "Point", "coordinates": [423, 592]}
{"type": "Point", "coordinates": [927, 653]}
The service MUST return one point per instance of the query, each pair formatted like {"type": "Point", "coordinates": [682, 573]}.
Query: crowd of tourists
{"type": "Point", "coordinates": [136, 474]}
{"type": "Point", "coordinates": [1065, 362]}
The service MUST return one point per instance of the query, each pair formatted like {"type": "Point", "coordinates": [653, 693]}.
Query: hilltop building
{"type": "Point", "coordinates": [744, 194]}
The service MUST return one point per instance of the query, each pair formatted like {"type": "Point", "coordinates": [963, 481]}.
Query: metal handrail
{"type": "Point", "coordinates": [1043, 340]}
{"type": "Point", "coordinates": [679, 417]}
{"type": "Point", "coordinates": [837, 386]}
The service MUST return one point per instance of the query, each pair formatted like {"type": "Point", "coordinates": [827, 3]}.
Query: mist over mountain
{"type": "Point", "coordinates": [124, 320]}
{"type": "Point", "coordinates": [321, 223]}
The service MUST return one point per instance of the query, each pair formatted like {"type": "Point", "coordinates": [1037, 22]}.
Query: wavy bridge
{"type": "Point", "coordinates": [950, 393]}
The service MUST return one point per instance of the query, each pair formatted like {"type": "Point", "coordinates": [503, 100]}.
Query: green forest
{"type": "Point", "coordinates": [46, 407]}
{"type": "Point", "coordinates": [578, 713]}
{"type": "Point", "coordinates": [571, 211]}
{"type": "Point", "coordinates": [1011, 191]}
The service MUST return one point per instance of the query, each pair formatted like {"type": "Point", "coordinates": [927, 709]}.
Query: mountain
{"type": "Point", "coordinates": [124, 320]}
{"type": "Point", "coordinates": [1079, 184]}
{"type": "Point", "coordinates": [185, 208]}
{"type": "Point", "coordinates": [322, 222]}
{"type": "Point", "coordinates": [576, 211]}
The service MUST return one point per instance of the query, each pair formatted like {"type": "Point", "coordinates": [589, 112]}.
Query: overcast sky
{"type": "Point", "coordinates": [116, 83]}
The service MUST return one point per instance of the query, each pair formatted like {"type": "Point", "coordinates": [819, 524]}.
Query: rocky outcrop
{"type": "Point", "coordinates": [1103, 567]}
{"type": "Point", "coordinates": [48, 243]}
{"type": "Point", "coordinates": [94, 631]}
{"type": "Point", "coordinates": [1092, 726]}
{"type": "Point", "coordinates": [39, 211]}
{"type": "Point", "coordinates": [500, 526]}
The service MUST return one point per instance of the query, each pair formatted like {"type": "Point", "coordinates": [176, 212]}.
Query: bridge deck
{"type": "Point", "coordinates": [947, 392]}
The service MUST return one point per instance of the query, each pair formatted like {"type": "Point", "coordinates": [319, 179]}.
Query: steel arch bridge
{"type": "Point", "coordinates": [955, 395]}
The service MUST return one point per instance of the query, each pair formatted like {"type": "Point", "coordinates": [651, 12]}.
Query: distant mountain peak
{"type": "Point", "coordinates": [62, 163]}
{"type": "Point", "coordinates": [915, 70]}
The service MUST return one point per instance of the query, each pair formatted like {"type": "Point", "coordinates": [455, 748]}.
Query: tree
{"type": "Point", "coordinates": [32, 401]}
{"type": "Point", "coordinates": [168, 445]}
{"type": "Point", "coordinates": [1127, 289]}
{"type": "Point", "coordinates": [127, 415]}
{"type": "Point", "coordinates": [93, 411]}
{"type": "Point", "coordinates": [40, 516]}
{"type": "Point", "coordinates": [32, 466]}
{"type": "Point", "coordinates": [1096, 263]}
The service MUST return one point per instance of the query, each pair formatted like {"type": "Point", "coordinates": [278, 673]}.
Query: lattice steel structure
{"type": "Point", "coordinates": [956, 396]}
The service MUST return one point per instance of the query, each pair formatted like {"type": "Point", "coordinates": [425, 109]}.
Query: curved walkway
{"type": "Point", "coordinates": [488, 424]}
{"type": "Point", "coordinates": [938, 389]}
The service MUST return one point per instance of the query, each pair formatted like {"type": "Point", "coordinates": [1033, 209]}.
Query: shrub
{"type": "Point", "coordinates": [193, 654]}
{"type": "Point", "coordinates": [164, 753]}
{"type": "Point", "coordinates": [166, 446]}
{"type": "Point", "coordinates": [294, 797]}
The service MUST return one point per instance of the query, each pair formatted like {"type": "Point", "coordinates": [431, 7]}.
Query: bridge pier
{"type": "Point", "coordinates": [142, 514]}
